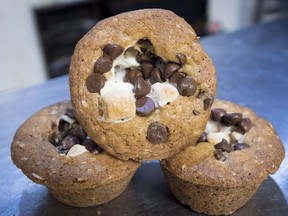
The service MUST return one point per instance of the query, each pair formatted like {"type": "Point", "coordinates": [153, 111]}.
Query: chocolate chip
{"type": "Point", "coordinates": [63, 125]}
{"type": "Point", "coordinates": [95, 82]}
{"type": "Point", "coordinates": [224, 146]}
{"type": "Point", "coordinates": [219, 155]}
{"type": "Point", "coordinates": [207, 103]}
{"type": "Point", "coordinates": [145, 106]}
{"type": "Point", "coordinates": [113, 50]}
{"type": "Point", "coordinates": [132, 75]}
{"type": "Point", "coordinates": [89, 144]}
{"type": "Point", "coordinates": [217, 113]}
{"type": "Point", "coordinates": [142, 57]}
{"type": "Point", "coordinates": [187, 86]}
{"type": "Point", "coordinates": [203, 138]}
{"type": "Point", "coordinates": [160, 63]}
{"type": "Point", "coordinates": [240, 146]}
{"type": "Point", "coordinates": [182, 58]}
{"type": "Point", "coordinates": [171, 68]}
{"type": "Point", "coordinates": [245, 125]}
{"type": "Point", "coordinates": [57, 138]}
{"type": "Point", "coordinates": [146, 69]}
{"type": "Point", "coordinates": [231, 119]}
{"type": "Point", "coordinates": [157, 133]}
{"type": "Point", "coordinates": [155, 76]}
{"type": "Point", "coordinates": [69, 141]}
{"type": "Point", "coordinates": [177, 77]}
{"type": "Point", "coordinates": [141, 88]}
{"type": "Point", "coordinates": [103, 65]}
{"type": "Point", "coordinates": [79, 132]}
{"type": "Point", "coordinates": [70, 113]}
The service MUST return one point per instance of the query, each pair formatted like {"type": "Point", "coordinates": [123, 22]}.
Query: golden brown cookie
{"type": "Point", "coordinates": [234, 156]}
{"type": "Point", "coordinates": [51, 149]}
{"type": "Point", "coordinates": [141, 84]}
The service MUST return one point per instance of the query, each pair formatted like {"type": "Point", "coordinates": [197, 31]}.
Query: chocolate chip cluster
{"type": "Point", "coordinates": [152, 69]}
{"type": "Point", "coordinates": [237, 124]}
{"type": "Point", "coordinates": [69, 133]}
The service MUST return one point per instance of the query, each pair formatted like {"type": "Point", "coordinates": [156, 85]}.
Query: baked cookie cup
{"type": "Point", "coordinates": [141, 84]}
{"type": "Point", "coordinates": [235, 154]}
{"type": "Point", "coordinates": [51, 148]}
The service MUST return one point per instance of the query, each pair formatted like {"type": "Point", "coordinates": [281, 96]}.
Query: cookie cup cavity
{"type": "Point", "coordinates": [215, 187]}
{"type": "Point", "coordinates": [169, 35]}
{"type": "Point", "coordinates": [83, 180]}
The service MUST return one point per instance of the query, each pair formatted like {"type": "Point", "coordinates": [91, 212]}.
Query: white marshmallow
{"type": "Point", "coordinates": [163, 93]}
{"type": "Point", "coordinates": [76, 150]}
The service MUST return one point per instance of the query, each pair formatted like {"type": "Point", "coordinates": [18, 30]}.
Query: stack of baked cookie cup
{"type": "Point", "coordinates": [142, 89]}
{"type": "Point", "coordinates": [136, 96]}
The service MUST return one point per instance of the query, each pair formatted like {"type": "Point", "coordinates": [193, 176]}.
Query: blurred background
{"type": "Point", "coordinates": [38, 36]}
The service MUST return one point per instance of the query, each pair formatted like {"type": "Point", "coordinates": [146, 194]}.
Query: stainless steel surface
{"type": "Point", "coordinates": [252, 70]}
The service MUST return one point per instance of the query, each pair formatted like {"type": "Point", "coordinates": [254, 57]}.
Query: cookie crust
{"type": "Point", "coordinates": [185, 117]}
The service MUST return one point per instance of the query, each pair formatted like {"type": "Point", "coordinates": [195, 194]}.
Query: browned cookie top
{"type": "Point", "coordinates": [141, 84]}
{"type": "Point", "coordinates": [236, 148]}
{"type": "Point", "coordinates": [52, 149]}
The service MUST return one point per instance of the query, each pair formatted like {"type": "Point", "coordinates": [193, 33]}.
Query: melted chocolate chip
{"type": "Point", "coordinates": [89, 144]}
{"type": "Point", "coordinates": [187, 86]}
{"type": "Point", "coordinates": [171, 68]}
{"type": "Point", "coordinates": [217, 113]}
{"type": "Point", "coordinates": [113, 50]}
{"type": "Point", "coordinates": [182, 58]}
{"type": "Point", "coordinates": [155, 76]}
{"type": "Point", "coordinates": [141, 88]}
{"type": "Point", "coordinates": [219, 155]}
{"type": "Point", "coordinates": [145, 106]}
{"type": "Point", "coordinates": [157, 133]}
{"type": "Point", "coordinates": [142, 57]}
{"type": "Point", "coordinates": [177, 77]}
{"type": "Point", "coordinates": [245, 125]}
{"type": "Point", "coordinates": [207, 103]}
{"type": "Point", "coordinates": [202, 138]}
{"type": "Point", "coordinates": [57, 138]}
{"type": "Point", "coordinates": [69, 141]}
{"type": "Point", "coordinates": [146, 69]}
{"type": "Point", "coordinates": [63, 125]}
{"type": "Point", "coordinates": [240, 146]}
{"type": "Point", "coordinates": [231, 119]}
{"type": "Point", "coordinates": [79, 132]}
{"type": "Point", "coordinates": [103, 65]}
{"type": "Point", "coordinates": [224, 146]}
{"type": "Point", "coordinates": [95, 82]}
{"type": "Point", "coordinates": [132, 75]}
{"type": "Point", "coordinates": [160, 63]}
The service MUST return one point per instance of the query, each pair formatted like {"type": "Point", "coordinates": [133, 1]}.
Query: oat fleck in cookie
{"type": "Point", "coordinates": [138, 69]}
{"type": "Point", "coordinates": [235, 154]}
{"type": "Point", "coordinates": [52, 148]}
